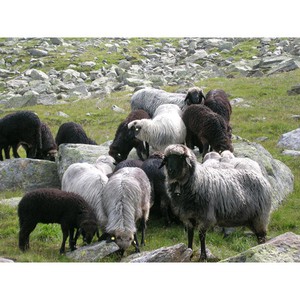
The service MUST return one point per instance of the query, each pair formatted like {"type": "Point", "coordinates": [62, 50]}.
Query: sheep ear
{"type": "Point", "coordinates": [188, 161]}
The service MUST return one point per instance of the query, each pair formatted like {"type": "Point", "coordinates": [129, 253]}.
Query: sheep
{"type": "Point", "coordinates": [149, 99]}
{"type": "Point", "coordinates": [72, 133]}
{"type": "Point", "coordinates": [203, 197]}
{"type": "Point", "coordinates": [125, 200]}
{"type": "Point", "coordinates": [194, 96]}
{"type": "Point", "coordinates": [207, 127]}
{"type": "Point", "coordinates": [125, 139]}
{"type": "Point", "coordinates": [49, 147]}
{"type": "Point", "coordinates": [50, 205]}
{"type": "Point", "coordinates": [160, 198]}
{"type": "Point", "coordinates": [20, 127]}
{"type": "Point", "coordinates": [88, 181]}
{"type": "Point", "coordinates": [165, 128]}
{"type": "Point", "coordinates": [129, 163]}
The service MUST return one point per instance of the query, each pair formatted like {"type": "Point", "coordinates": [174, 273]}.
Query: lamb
{"type": "Point", "coordinates": [88, 181]}
{"type": "Point", "coordinates": [203, 197]}
{"type": "Point", "coordinates": [166, 127]}
{"type": "Point", "coordinates": [55, 206]}
{"type": "Point", "coordinates": [20, 127]}
{"type": "Point", "coordinates": [72, 133]}
{"type": "Point", "coordinates": [125, 200]}
{"type": "Point", "coordinates": [149, 99]}
{"type": "Point", "coordinates": [125, 139]}
{"type": "Point", "coordinates": [207, 127]}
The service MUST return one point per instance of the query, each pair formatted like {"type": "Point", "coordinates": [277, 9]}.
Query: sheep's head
{"type": "Point", "coordinates": [123, 239]}
{"type": "Point", "coordinates": [136, 128]}
{"type": "Point", "coordinates": [194, 96]}
{"type": "Point", "coordinates": [178, 161]}
{"type": "Point", "coordinates": [88, 229]}
{"type": "Point", "coordinates": [212, 155]}
{"type": "Point", "coordinates": [106, 162]}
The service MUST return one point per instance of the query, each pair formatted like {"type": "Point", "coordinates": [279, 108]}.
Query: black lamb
{"type": "Point", "coordinates": [207, 128]}
{"type": "Point", "coordinates": [49, 205]}
{"type": "Point", "coordinates": [22, 127]}
{"type": "Point", "coordinates": [72, 133]}
{"type": "Point", "coordinates": [125, 139]}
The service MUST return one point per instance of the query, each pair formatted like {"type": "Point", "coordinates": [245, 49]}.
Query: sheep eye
{"type": "Point", "coordinates": [119, 154]}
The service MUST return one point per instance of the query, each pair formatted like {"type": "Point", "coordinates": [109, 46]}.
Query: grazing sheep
{"type": "Point", "coordinates": [105, 163]}
{"type": "Point", "coordinates": [130, 163]}
{"type": "Point", "coordinates": [194, 96]}
{"type": "Point", "coordinates": [55, 206]}
{"type": "Point", "coordinates": [207, 128]}
{"type": "Point", "coordinates": [160, 198]}
{"type": "Point", "coordinates": [125, 139]}
{"type": "Point", "coordinates": [149, 99]}
{"type": "Point", "coordinates": [72, 133]}
{"type": "Point", "coordinates": [88, 181]}
{"type": "Point", "coordinates": [125, 199]}
{"type": "Point", "coordinates": [164, 129]}
{"type": "Point", "coordinates": [22, 127]}
{"type": "Point", "coordinates": [203, 197]}
{"type": "Point", "coordinates": [49, 147]}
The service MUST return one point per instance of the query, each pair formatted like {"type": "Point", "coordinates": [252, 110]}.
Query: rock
{"type": "Point", "coordinates": [6, 73]}
{"type": "Point", "coordinates": [27, 174]}
{"type": "Point", "coordinates": [38, 52]}
{"type": "Point", "coordinates": [62, 114]}
{"type": "Point", "coordinates": [88, 64]}
{"type": "Point", "coordinates": [72, 153]}
{"type": "Point", "coordinates": [28, 99]}
{"type": "Point", "coordinates": [70, 75]}
{"type": "Point", "coordinates": [197, 56]}
{"type": "Point", "coordinates": [11, 202]}
{"type": "Point", "coordinates": [37, 74]}
{"type": "Point", "coordinates": [285, 66]}
{"type": "Point", "coordinates": [295, 90]}
{"type": "Point", "coordinates": [117, 109]}
{"type": "Point", "coordinates": [57, 41]}
{"type": "Point", "coordinates": [291, 152]}
{"type": "Point", "coordinates": [17, 83]}
{"type": "Point", "coordinates": [5, 260]}
{"type": "Point", "coordinates": [290, 140]}
{"type": "Point", "coordinates": [94, 252]}
{"type": "Point", "coordinates": [176, 253]}
{"type": "Point", "coordinates": [283, 248]}
{"type": "Point", "coordinates": [278, 174]}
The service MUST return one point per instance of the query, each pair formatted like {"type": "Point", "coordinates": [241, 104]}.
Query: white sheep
{"type": "Point", "coordinates": [88, 180]}
{"type": "Point", "coordinates": [125, 200]}
{"type": "Point", "coordinates": [164, 129]}
{"type": "Point", "coordinates": [203, 197]}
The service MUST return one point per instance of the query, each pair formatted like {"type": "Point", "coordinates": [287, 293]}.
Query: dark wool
{"type": "Point", "coordinates": [69, 210]}
{"type": "Point", "coordinates": [207, 128]}
{"type": "Point", "coordinates": [125, 139]}
{"type": "Point", "coordinates": [22, 127]}
{"type": "Point", "coordinates": [72, 133]}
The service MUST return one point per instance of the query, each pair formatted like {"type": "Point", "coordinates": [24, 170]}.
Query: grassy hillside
{"type": "Point", "coordinates": [268, 114]}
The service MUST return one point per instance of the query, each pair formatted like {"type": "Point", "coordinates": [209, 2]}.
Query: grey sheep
{"type": "Point", "coordinates": [165, 128]}
{"type": "Point", "coordinates": [203, 197]}
{"type": "Point", "coordinates": [69, 210]}
{"type": "Point", "coordinates": [22, 127]}
{"type": "Point", "coordinates": [149, 99]}
{"type": "Point", "coordinates": [125, 139]}
{"type": "Point", "coordinates": [125, 200]}
{"type": "Point", "coordinates": [207, 128]}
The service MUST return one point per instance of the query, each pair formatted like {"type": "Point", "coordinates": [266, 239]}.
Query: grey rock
{"type": "Point", "coordinates": [88, 64]}
{"type": "Point", "coordinates": [72, 153]}
{"type": "Point", "coordinates": [285, 66]}
{"type": "Point", "coordinates": [198, 55]}
{"type": "Point", "coordinates": [38, 52]}
{"type": "Point", "coordinates": [295, 90]}
{"type": "Point", "coordinates": [62, 114]}
{"type": "Point", "coordinates": [17, 83]}
{"type": "Point", "coordinates": [37, 74]}
{"type": "Point", "coordinates": [70, 75]}
{"type": "Point", "coordinates": [176, 253]}
{"type": "Point", "coordinates": [57, 41]}
{"type": "Point", "coordinates": [7, 73]}
{"type": "Point", "coordinates": [94, 252]}
{"type": "Point", "coordinates": [278, 174]}
{"type": "Point", "coordinates": [290, 140]}
{"type": "Point", "coordinates": [5, 260]}
{"type": "Point", "coordinates": [283, 248]}
{"type": "Point", "coordinates": [28, 99]}
{"type": "Point", "coordinates": [27, 174]}
{"type": "Point", "coordinates": [291, 152]}
{"type": "Point", "coordinates": [11, 202]}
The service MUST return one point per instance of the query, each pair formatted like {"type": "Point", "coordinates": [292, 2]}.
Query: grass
{"type": "Point", "coordinates": [268, 115]}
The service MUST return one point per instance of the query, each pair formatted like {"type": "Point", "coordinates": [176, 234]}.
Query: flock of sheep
{"type": "Point", "coordinates": [116, 192]}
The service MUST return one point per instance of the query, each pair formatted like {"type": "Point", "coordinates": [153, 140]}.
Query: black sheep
{"type": "Point", "coordinates": [125, 139]}
{"type": "Point", "coordinates": [159, 195]}
{"type": "Point", "coordinates": [128, 163]}
{"type": "Point", "coordinates": [49, 147]}
{"type": "Point", "coordinates": [72, 133]}
{"type": "Point", "coordinates": [22, 127]}
{"type": "Point", "coordinates": [69, 210]}
{"type": "Point", "coordinates": [207, 127]}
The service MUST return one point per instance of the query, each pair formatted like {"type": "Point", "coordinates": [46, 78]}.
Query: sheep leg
{"type": "Point", "coordinates": [65, 232]}
{"type": "Point", "coordinates": [15, 152]}
{"type": "Point", "coordinates": [136, 244]}
{"type": "Point", "coordinates": [202, 236]}
{"type": "Point", "coordinates": [72, 241]}
{"type": "Point", "coordinates": [143, 228]}
{"type": "Point", "coordinates": [6, 152]}
{"type": "Point", "coordinates": [190, 237]}
{"type": "Point", "coordinates": [25, 230]}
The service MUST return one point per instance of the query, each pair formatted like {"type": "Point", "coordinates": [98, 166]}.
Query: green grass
{"type": "Point", "coordinates": [268, 115]}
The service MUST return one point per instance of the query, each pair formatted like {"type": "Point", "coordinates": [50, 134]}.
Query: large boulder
{"type": "Point", "coordinates": [290, 140]}
{"type": "Point", "coordinates": [283, 248]}
{"type": "Point", "coordinates": [27, 174]}
{"type": "Point", "coordinates": [278, 174]}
